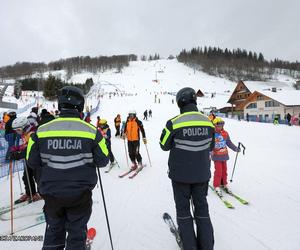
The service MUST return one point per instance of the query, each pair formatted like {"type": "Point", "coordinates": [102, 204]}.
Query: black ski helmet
{"type": "Point", "coordinates": [185, 96]}
{"type": "Point", "coordinates": [12, 114]}
{"type": "Point", "coordinates": [70, 97]}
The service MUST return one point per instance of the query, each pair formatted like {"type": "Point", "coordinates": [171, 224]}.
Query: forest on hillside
{"type": "Point", "coordinates": [237, 64]}
{"type": "Point", "coordinates": [72, 66]}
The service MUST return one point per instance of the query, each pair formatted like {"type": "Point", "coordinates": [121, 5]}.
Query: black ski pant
{"type": "Point", "coordinates": [67, 215]}
{"type": "Point", "coordinates": [184, 194]}
{"type": "Point", "coordinates": [117, 130]}
{"type": "Point", "coordinates": [110, 153]}
{"type": "Point", "coordinates": [134, 151]}
{"type": "Point", "coordinates": [29, 182]}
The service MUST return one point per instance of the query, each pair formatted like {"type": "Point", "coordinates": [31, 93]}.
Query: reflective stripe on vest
{"type": "Point", "coordinates": [102, 145]}
{"type": "Point", "coordinates": [29, 146]}
{"type": "Point", "coordinates": [190, 119]}
{"type": "Point", "coordinates": [167, 134]}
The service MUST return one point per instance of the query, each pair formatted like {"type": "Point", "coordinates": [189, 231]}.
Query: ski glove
{"type": "Point", "coordinates": [16, 155]}
{"type": "Point", "coordinates": [145, 140]}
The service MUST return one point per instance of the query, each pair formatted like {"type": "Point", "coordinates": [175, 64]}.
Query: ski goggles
{"type": "Point", "coordinates": [19, 131]}
{"type": "Point", "coordinates": [220, 124]}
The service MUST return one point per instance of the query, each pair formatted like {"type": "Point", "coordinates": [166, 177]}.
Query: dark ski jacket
{"type": "Point", "coordinates": [65, 152]}
{"type": "Point", "coordinates": [190, 138]}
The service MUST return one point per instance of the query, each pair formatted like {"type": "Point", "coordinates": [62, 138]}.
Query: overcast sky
{"type": "Point", "coordinates": [45, 30]}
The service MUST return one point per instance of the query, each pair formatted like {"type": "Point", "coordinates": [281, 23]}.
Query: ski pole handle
{"type": "Point", "coordinates": [244, 148]}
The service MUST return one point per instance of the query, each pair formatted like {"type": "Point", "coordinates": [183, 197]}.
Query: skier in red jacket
{"type": "Point", "coordinates": [220, 156]}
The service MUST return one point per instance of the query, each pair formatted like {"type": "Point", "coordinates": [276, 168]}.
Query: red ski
{"type": "Point", "coordinates": [126, 173]}
{"type": "Point", "coordinates": [91, 233]}
{"type": "Point", "coordinates": [139, 169]}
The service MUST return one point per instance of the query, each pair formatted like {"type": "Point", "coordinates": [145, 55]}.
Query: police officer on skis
{"type": "Point", "coordinates": [190, 138]}
{"type": "Point", "coordinates": [65, 152]}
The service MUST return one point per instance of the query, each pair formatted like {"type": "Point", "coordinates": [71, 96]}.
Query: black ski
{"type": "Point", "coordinates": [169, 221]}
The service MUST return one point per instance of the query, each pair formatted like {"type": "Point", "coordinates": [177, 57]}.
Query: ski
{"type": "Point", "coordinates": [241, 200]}
{"type": "Point", "coordinates": [126, 173]}
{"type": "Point", "coordinates": [5, 209]}
{"type": "Point", "coordinates": [225, 202]}
{"type": "Point", "coordinates": [91, 233]}
{"type": "Point", "coordinates": [109, 169]}
{"type": "Point", "coordinates": [6, 216]}
{"type": "Point", "coordinates": [169, 221]}
{"type": "Point", "coordinates": [139, 169]}
{"type": "Point", "coordinates": [40, 219]}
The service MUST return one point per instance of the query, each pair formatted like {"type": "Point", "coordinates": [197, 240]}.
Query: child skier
{"type": "Point", "coordinates": [106, 133]}
{"type": "Point", "coordinates": [24, 128]}
{"type": "Point", "coordinates": [220, 155]}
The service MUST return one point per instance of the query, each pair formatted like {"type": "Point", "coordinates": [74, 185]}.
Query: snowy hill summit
{"type": "Point", "coordinates": [168, 76]}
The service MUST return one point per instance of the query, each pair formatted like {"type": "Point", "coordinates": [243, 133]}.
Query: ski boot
{"type": "Point", "coordinates": [36, 197]}
{"type": "Point", "coordinates": [226, 189]}
{"type": "Point", "coordinates": [23, 198]}
{"type": "Point", "coordinates": [218, 191]}
{"type": "Point", "coordinates": [134, 166]}
{"type": "Point", "coordinates": [112, 164]}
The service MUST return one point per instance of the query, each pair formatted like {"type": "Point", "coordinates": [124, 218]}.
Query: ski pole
{"type": "Point", "coordinates": [104, 204]}
{"type": "Point", "coordinates": [148, 155]}
{"type": "Point", "coordinates": [239, 147]}
{"type": "Point", "coordinates": [11, 198]}
{"type": "Point", "coordinates": [126, 153]}
{"type": "Point", "coordinates": [117, 162]}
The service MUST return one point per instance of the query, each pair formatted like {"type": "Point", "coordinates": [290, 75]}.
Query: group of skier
{"type": "Point", "coordinates": [61, 155]}
{"type": "Point", "coordinates": [130, 130]}
{"type": "Point", "coordinates": [17, 133]}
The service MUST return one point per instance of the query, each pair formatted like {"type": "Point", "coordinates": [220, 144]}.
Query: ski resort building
{"type": "Point", "coordinates": [238, 97]}
{"type": "Point", "coordinates": [199, 93]}
{"type": "Point", "coordinates": [263, 106]}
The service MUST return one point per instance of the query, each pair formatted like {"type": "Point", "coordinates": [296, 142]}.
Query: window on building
{"type": "Point", "coordinates": [271, 103]}
{"type": "Point", "coordinates": [260, 97]}
{"type": "Point", "coordinates": [252, 106]}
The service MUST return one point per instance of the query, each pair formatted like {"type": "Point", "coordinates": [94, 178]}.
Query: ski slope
{"type": "Point", "coordinates": [267, 175]}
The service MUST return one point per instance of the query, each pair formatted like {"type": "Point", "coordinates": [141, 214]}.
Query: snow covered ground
{"type": "Point", "coordinates": [267, 175]}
